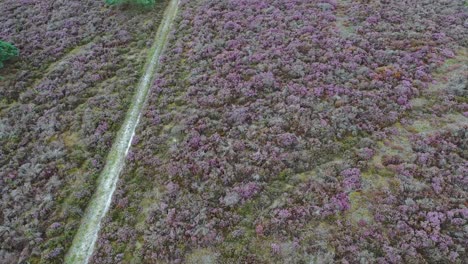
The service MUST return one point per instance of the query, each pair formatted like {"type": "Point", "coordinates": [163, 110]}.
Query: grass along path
{"type": "Point", "coordinates": [85, 239]}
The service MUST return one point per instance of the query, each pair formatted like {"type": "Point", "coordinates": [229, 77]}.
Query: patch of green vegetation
{"type": "Point", "coordinates": [202, 256]}
{"type": "Point", "coordinates": [349, 142]}
{"type": "Point", "coordinates": [422, 126]}
{"type": "Point", "coordinates": [374, 173]}
{"type": "Point", "coordinates": [284, 175]}
{"type": "Point", "coordinates": [447, 63]}
{"type": "Point", "coordinates": [7, 52]}
{"type": "Point", "coordinates": [359, 211]}
{"type": "Point", "coordinates": [461, 99]}
{"type": "Point", "coordinates": [419, 103]}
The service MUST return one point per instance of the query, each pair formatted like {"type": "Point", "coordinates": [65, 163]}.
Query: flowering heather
{"type": "Point", "coordinates": [61, 103]}
{"type": "Point", "coordinates": [276, 131]}
{"type": "Point", "coordinates": [271, 131]}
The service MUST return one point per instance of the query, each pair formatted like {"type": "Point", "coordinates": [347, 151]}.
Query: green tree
{"type": "Point", "coordinates": [7, 51]}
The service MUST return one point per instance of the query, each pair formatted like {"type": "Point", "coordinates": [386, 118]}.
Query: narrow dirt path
{"type": "Point", "coordinates": [85, 239]}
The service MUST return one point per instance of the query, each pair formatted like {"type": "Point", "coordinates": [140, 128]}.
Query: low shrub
{"type": "Point", "coordinates": [7, 51]}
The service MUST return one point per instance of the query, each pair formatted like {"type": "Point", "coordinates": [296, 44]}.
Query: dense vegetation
{"type": "Point", "coordinates": [61, 104]}
{"type": "Point", "coordinates": [276, 131]}
{"type": "Point", "coordinates": [301, 131]}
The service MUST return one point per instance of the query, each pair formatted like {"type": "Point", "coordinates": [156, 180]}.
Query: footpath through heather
{"type": "Point", "coordinates": [85, 239]}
